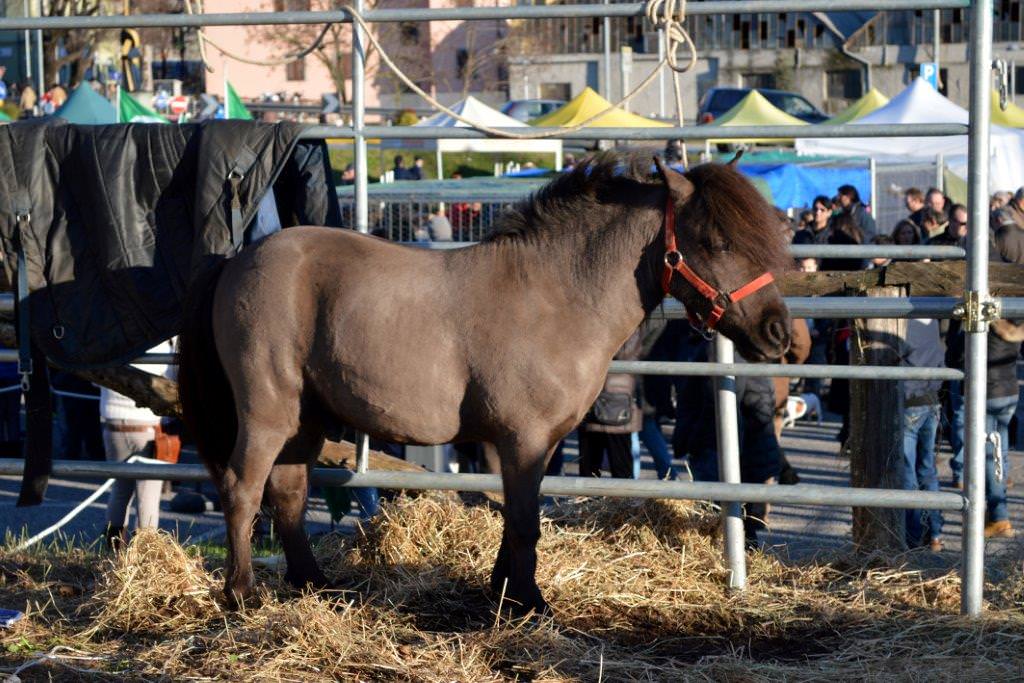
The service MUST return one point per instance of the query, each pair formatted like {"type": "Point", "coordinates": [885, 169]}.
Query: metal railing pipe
{"type": "Point", "coordinates": [362, 200]}
{"type": "Point", "coordinates": [876, 251]}
{"type": "Point", "coordinates": [803, 494]}
{"type": "Point", "coordinates": [638, 367]}
{"type": "Point", "coordinates": [727, 426]}
{"type": "Point", "coordinates": [818, 130]}
{"type": "Point", "coordinates": [396, 191]}
{"type": "Point", "coordinates": [457, 14]}
{"type": "Point", "coordinates": [816, 307]}
{"type": "Point", "coordinates": [976, 292]}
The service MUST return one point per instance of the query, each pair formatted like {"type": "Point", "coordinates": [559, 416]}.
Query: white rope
{"type": "Point", "coordinates": [995, 438]}
{"type": "Point", "coordinates": [84, 504]}
{"type": "Point", "coordinates": [666, 15]}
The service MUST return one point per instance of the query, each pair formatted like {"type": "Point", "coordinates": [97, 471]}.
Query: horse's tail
{"type": "Point", "coordinates": [208, 406]}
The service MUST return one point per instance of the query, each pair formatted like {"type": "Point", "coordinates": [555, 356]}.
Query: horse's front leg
{"type": "Point", "coordinates": [514, 575]}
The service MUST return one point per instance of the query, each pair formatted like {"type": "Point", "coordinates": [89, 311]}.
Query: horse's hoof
{"type": "Point", "coordinates": [316, 581]}
{"type": "Point", "coordinates": [525, 603]}
{"type": "Point", "coordinates": [237, 595]}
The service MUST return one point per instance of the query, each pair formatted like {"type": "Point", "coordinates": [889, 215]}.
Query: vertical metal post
{"type": "Point", "coordinates": [361, 196]}
{"type": "Point", "coordinates": [625, 65]}
{"type": "Point", "coordinates": [28, 45]}
{"type": "Point", "coordinates": [873, 175]}
{"type": "Point", "coordinates": [661, 75]}
{"type": "Point", "coordinates": [41, 71]}
{"type": "Point", "coordinates": [729, 465]}
{"type": "Point", "coordinates": [973, 564]}
{"type": "Point", "coordinates": [940, 165]}
{"type": "Point", "coordinates": [936, 43]}
{"type": "Point", "coordinates": [606, 34]}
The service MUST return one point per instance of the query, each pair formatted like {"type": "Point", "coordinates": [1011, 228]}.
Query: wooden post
{"type": "Point", "coordinates": [875, 445]}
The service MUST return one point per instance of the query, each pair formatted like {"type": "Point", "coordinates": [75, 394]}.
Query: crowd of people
{"type": "Point", "coordinates": [933, 410]}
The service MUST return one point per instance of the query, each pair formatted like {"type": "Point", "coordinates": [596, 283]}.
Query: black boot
{"type": "Point", "coordinates": [787, 475]}
{"type": "Point", "coordinates": [116, 538]}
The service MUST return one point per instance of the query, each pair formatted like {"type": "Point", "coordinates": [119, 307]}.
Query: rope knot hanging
{"type": "Point", "coordinates": [668, 16]}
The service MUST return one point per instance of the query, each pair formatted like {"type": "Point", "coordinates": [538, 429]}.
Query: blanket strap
{"type": "Point", "coordinates": [23, 218]}
{"type": "Point", "coordinates": [243, 163]}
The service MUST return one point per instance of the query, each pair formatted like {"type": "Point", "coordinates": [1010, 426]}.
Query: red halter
{"type": "Point", "coordinates": [674, 262]}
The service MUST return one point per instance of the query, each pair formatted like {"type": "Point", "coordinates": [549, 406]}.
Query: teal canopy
{"type": "Point", "coordinates": [85, 105]}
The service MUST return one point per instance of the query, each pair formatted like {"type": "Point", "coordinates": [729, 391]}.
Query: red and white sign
{"type": "Point", "coordinates": [178, 105]}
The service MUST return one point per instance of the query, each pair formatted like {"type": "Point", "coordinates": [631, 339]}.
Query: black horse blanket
{"type": "Point", "coordinates": [123, 217]}
{"type": "Point", "coordinates": [112, 224]}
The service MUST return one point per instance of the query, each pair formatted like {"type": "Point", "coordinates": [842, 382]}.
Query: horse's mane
{"type": "Point", "coordinates": [725, 207]}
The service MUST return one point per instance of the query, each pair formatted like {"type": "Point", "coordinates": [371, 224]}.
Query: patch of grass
{"type": "Point", "coordinates": [469, 164]}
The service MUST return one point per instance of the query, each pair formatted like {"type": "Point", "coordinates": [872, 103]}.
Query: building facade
{"type": "Point", "coordinates": [831, 58]}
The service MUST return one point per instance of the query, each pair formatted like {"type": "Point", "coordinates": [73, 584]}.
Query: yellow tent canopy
{"type": "Point", "coordinates": [756, 110]}
{"type": "Point", "coordinates": [588, 103]}
{"type": "Point", "coordinates": [1013, 117]}
{"type": "Point", "coordinates": [869, 102]}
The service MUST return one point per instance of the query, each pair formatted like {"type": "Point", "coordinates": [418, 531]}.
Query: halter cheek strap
{"type": "Point", "coordinates": [675, 263]}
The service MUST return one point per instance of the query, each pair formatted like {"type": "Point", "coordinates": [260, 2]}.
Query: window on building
{"type": "Point", "coordinates": [295, 71]}
{"type": "Point", "coordinates": [409, 32]}
{"type": "Point", "coordinates": [1018, 80]}
{"type": "Point", "coordinates": [555, 91]}
{"type": "Point", "coordinates": [292, 5]}
{"type": "Point", "coordinates": [844, 83]}
{"type": "Point", "coordinates": [758, 80]}
{"type": "Point", "coordinates": [461, 60]}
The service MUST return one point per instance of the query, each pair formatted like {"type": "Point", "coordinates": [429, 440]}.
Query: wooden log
{"type": "Point", "coordinates": [875, 444]}
{"type": "Point", "coordinates": [938, 278]}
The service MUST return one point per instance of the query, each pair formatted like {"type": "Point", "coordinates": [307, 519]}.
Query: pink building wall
{"type": "Point", "coordinates": [431, 58]}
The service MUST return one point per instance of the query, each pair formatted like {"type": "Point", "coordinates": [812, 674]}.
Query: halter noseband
{"type": "Point", "coordinates": [675, 263]}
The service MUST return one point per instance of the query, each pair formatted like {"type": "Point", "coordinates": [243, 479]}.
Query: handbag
{"type": "Point", "coordinates": [166, 447]}
{"type": "Point", "coordinates": [612, 409]}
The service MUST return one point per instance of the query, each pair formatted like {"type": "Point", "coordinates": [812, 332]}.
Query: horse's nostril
{"type": "Point", "coordinates": [776, 332]}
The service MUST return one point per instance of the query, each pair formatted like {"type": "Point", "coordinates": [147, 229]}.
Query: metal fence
{"type": "Point", "coordinates": [975, 309]}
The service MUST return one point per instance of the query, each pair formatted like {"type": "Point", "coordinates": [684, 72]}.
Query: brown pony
{"type": "Point", "coordinates": [506, 342]}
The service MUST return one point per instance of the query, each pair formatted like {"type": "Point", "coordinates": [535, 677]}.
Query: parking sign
{"type": "Point", "coordinates": [930, 72]}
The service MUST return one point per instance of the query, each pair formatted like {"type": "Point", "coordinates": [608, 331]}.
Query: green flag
{"type": "Point", "coordinates": [130, 111]}
{"type": "Point", "coordinates": [233, 107]}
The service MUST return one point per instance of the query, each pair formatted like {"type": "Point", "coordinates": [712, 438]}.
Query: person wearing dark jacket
{"type": "Point", "coordinates": [817, 231]}
{"type": "Point", "coordinates": [611, 422]}
{"type": "Point", "coordinates": [849, 199]}
{"type": "Point", "coordinates": [920, 426]}
{"type": "Point", "coordinates": [760, 455]}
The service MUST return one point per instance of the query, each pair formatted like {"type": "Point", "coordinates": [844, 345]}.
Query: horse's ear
{"type": "Point", "coordinates": [678, 184]}
{"type": "Point", "coordinates": [732, 162]}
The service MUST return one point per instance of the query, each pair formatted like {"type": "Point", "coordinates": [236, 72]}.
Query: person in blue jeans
{"type": "Point", "coordinates": [956, 432]}
{"type": "Point", "coordinates": [1004, 340]}
{"type": "Point", "coordinates": [920, 426]}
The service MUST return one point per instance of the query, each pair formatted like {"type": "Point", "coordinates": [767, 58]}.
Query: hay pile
{"type": "Point", "coordinates": [637, 588]}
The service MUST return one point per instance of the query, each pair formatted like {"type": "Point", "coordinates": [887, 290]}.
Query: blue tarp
{"type": "Point", "coordinates": [796, 186]}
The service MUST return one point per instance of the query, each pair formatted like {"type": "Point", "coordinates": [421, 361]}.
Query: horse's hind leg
{"type": "Point", "coordinates": [287, 490]}
{"type": "Point", "coordinates": [256, 449]}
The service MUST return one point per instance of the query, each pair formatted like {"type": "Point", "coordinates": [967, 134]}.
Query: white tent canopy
{"type": "Point", "coordinates": [478, 112]}
{"type": "Point", "coordinates": [921, 103]}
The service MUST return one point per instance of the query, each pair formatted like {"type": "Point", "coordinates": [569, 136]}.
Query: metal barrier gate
{"type": "Point", "coordinates": [976, 308]}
